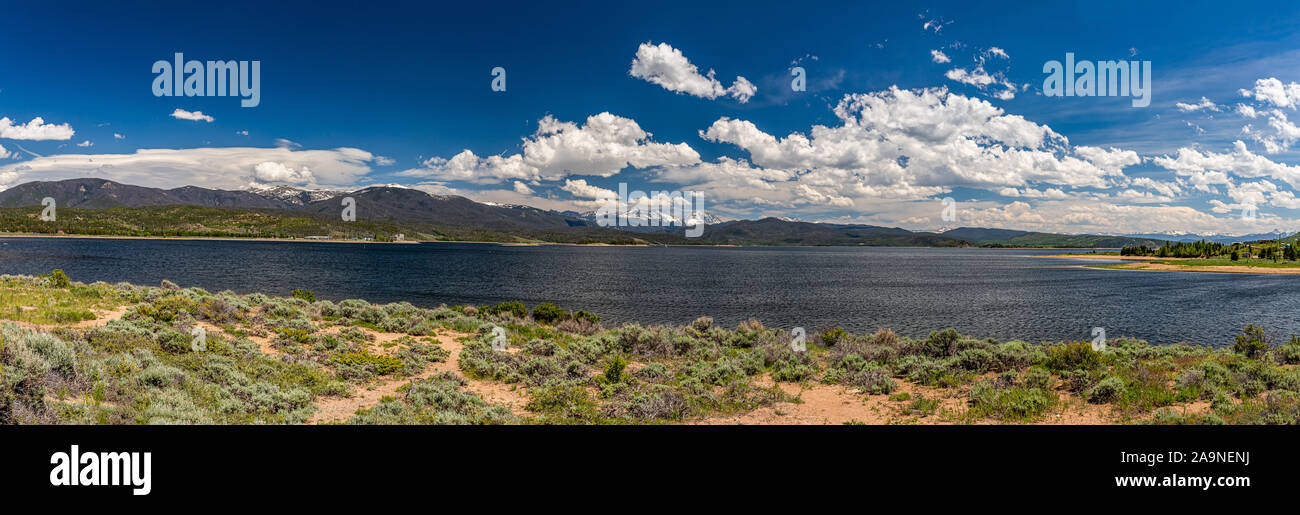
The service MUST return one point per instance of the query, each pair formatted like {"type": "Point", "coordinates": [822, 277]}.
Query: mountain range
{"type": "Point", "coordinates": [456, 217]}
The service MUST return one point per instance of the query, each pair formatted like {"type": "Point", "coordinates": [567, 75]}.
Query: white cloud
{"type": "Point", "coordinates": [1110, 159]}
{"type": "Point", "coordinates": [1273, 91]}
{"type": "Point", "coordinates": [1165, 188]}
{"type": "Point", "coordinates": [1204, 169]}
{"type": "Point", "coordinates": [86, 144]}
{"type": "Point", "coordinates": [933, 24]}
{"type": "Point", "coordinates": [274, 171]}
{"type": "Point", "coordinates": [35, 130]}
{"type": "Point", "coordinates": [913, 144]}
{"type": "Point", "coordinates": [1204, 105]}
{"type": "Point", "coordinates": [602, 146]}
{"type": "Point", "coordinates": [579, 188]}
{"type": "Point", "coordinates": [522, 188]}
{"type": "Point", "coordinates": [286, 143]}
{"type": "Point", "coordinates": [118, 136]}
{"type": "Point", "coordinates": [7, 178]}
{"type": "Point", "coordinates": [215, 167]}
{"type": "Point", "coordinates": [666, 66]}
{"type": "Point", "coordinates": [983, 81]}
{"type": "Point", "coordinates": [939, 57]}
{"type": "Point", "coordinates": [997, 52]}
{"type": "Point", "coordinates": [195, 116]}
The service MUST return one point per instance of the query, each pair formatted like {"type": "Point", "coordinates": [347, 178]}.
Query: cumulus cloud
{"type": "Point", "coordinates": [1111, 159]}
{"type": "Point", "coordinates": [579, 188]}
{"type": "Point", "coordinates": [274, 171]}
{"type": "Point", "coordinates": [1206, 169]}
{"type": "Point", "coordinates": [913, 144]}
{"type": "Point", "coordinates": [1165, 188]}
{"type": "Point", "coordinates": [194, 116]}
{"type": "Point", "coordinates": [7, 179]}
{"type": "Point", "coordinates": [86, 144]}
{"type": "Point", "coordinates": [666, 66]}
{"type": "Point", "coordinates": [1273, 91]}
{"type": "Point", "coordinates": [219, 167]}
{"type": "Point", "coordinates": [939, 57]}
{"type": "Point", "coordinates": [522, 188]}
{"type": "Point", "coordinates": [982, 80]}
{"type": "Point", "coordinates": [1277, 135]}
{"type": "Point", "coordinates": [5, 154]}
{"type": "Point", "coordinates": [602, 146]}
{"type": "Point", "coordinates": [34, 130]}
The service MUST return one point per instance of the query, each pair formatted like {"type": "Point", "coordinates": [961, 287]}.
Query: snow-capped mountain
{"type": "Point", "coordinates": [291, 195]}
{"type": "Point", "coordinates": [652, 219]}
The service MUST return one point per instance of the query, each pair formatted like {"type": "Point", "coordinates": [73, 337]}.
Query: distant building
{"type": "Point", "coordinates": [399, 236]}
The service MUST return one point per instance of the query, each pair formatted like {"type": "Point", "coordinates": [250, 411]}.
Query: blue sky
{"type": "Point", "coordinates": [397, 93]}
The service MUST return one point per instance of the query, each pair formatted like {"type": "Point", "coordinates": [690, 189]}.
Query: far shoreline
{"type": "Point", "coordinates": [4, 235]}
{"type": "Point", "coordinates": [1148, 264]}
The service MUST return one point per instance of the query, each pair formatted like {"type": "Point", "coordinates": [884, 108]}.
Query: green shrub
{"type": "Point", "coordinates": [830, 337]}
{"type": "Point", "coordinates": [1016, 404]}
{"type": "Point", "coordinates": [513, 308]}
{"type": "Point", "coordinates": [1290, 353]}
{"type": "Point", "coordinates": [380, 365]}
{"type": "Point", "coordinates": [977, 360]}
{"type": "Point", "coordinates": [1038, 378]}
{"type": "Point", "coordinates": [167, 309]}
{"type": "Point", "coordinates": [923, 406]}
{"type": "Point", "coordinates": [548, 313]}
{"type": "Point", "coordinates": [1252, 343]}
{"type": "Point", "coordinates": [58, 279]}
{"type": "Point", "coordinates": [942, 343]}
{"type": "Point", "coordinates": [306, 295]}
{"type": "Point", "coordinates": [1072, 356]}
{"type": "Point", "coordinates": [1107, 390]}
{"type": "Point", "coordinates": [563, 400]}
{"type": "Point", "coordinates": [614, 370]}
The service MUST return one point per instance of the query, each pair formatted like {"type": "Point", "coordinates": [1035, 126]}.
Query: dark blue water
{"type": "Point", "coordinates": [983, 292]}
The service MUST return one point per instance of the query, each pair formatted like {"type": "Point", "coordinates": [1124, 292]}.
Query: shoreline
{"type": "Point", "coordinates": [4, 235]}
{"type": "Point", "coordinates": [1149, 264]}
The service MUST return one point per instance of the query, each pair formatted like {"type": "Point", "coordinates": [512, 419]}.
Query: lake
{"type": "Point", "coordinates": [1002, 293]}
